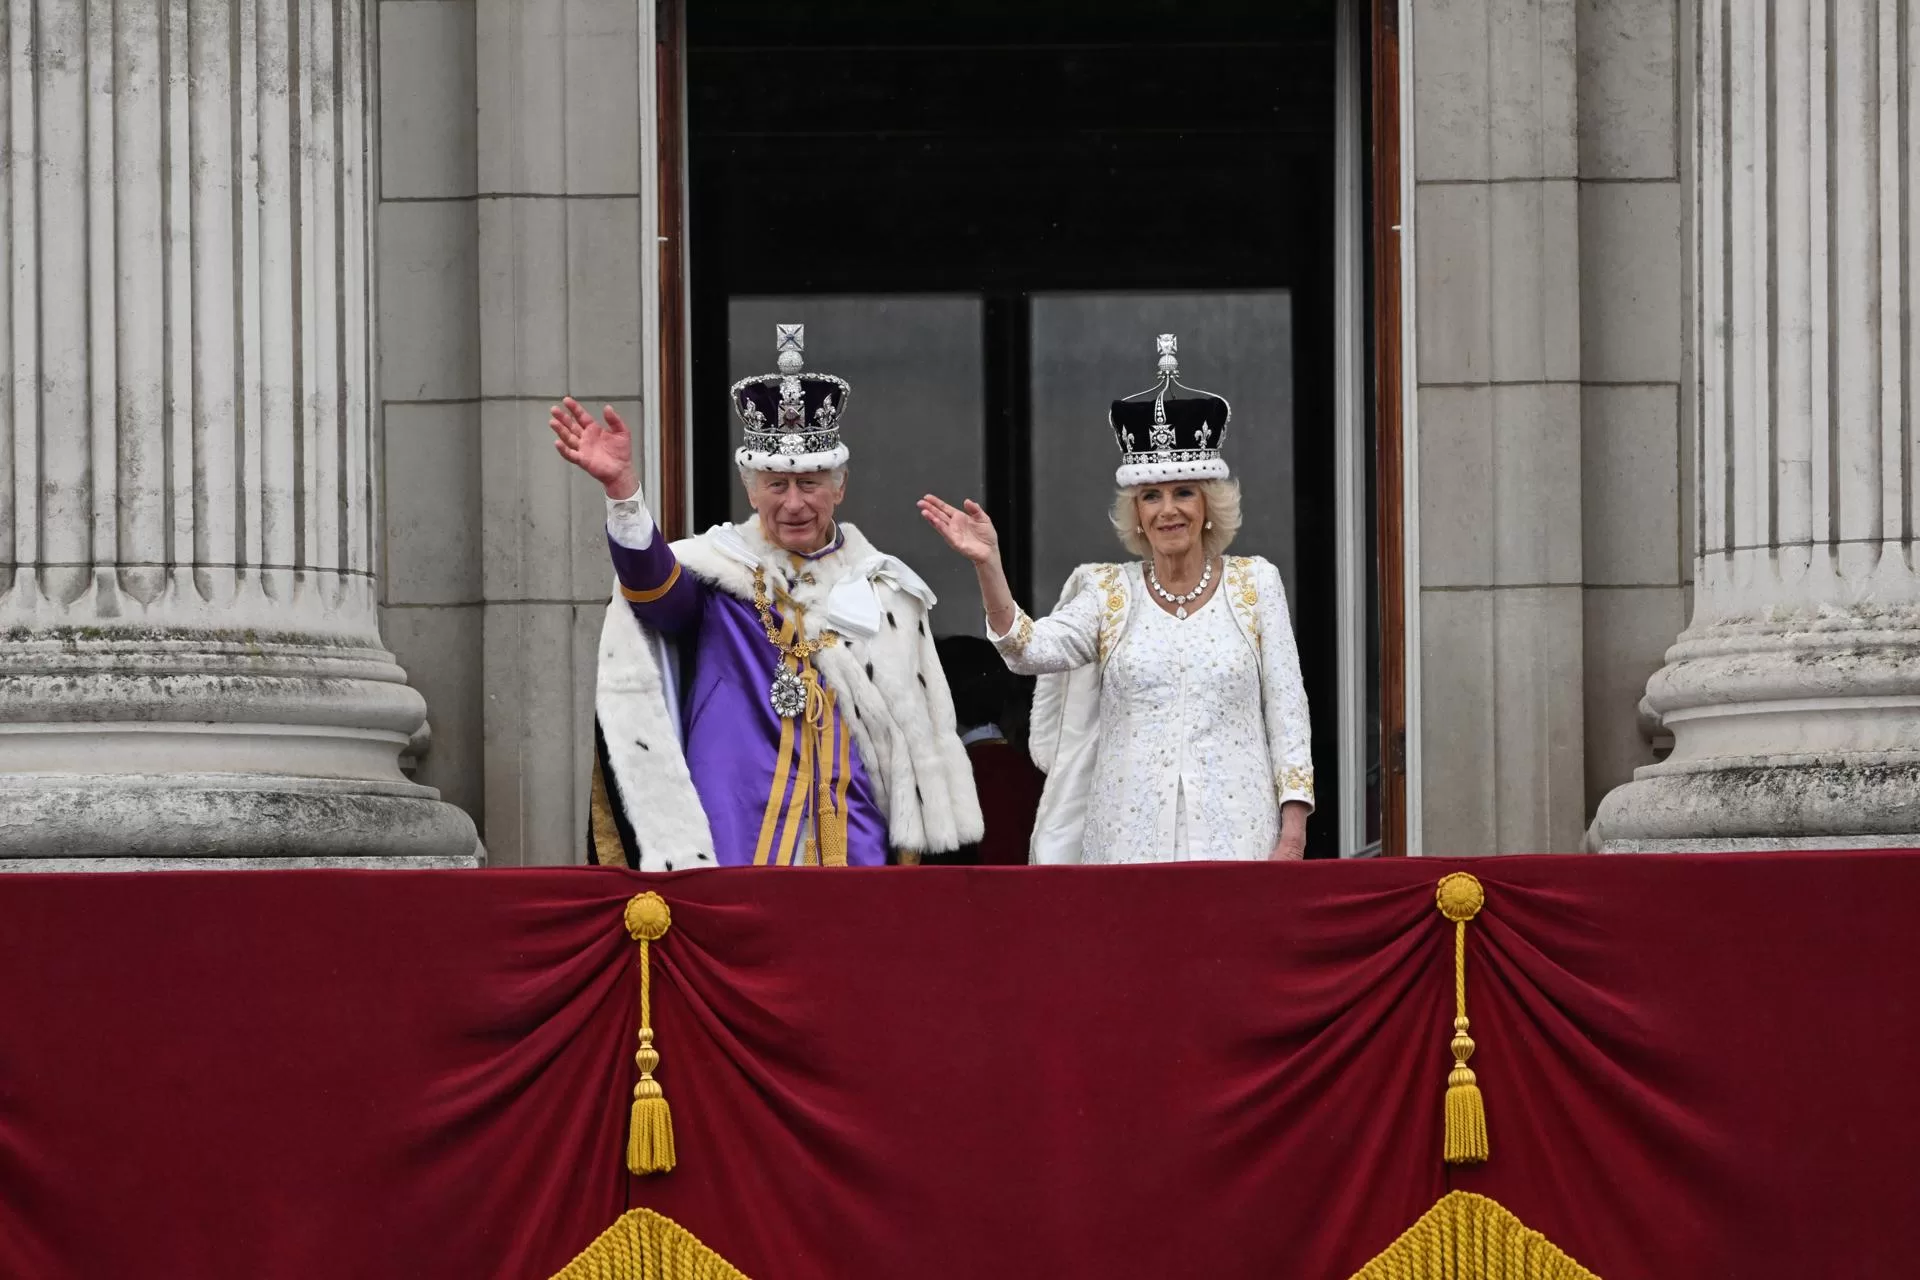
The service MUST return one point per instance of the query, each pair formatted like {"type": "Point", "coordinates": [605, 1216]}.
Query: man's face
{"type": "Point", "coordinates": [796, 511]}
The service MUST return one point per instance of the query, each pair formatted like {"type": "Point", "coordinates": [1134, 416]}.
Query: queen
{"type": "Point", "coordinates": [1170, 718]}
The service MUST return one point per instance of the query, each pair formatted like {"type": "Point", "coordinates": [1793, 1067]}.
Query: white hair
{"type": "Point", "coordinates": [1222, 509]}
{"type": "Point", "coordinates": [748, 474]}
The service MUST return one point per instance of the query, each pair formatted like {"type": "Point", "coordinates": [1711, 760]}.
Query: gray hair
{"type": "Point", "coordinates": [1222, 499]}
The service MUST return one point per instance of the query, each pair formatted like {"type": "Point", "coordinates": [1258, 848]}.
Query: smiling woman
{"type": "Point", "coordinates": [1170, 719]}
{"type": "Point", "coordinates": [1219, 499]}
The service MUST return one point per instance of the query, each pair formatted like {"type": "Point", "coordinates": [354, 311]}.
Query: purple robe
{"type": "Point", "coordinates": [731, 734]}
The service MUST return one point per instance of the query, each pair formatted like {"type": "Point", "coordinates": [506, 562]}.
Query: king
{"type": "Point", "coordinates": [768, 693]}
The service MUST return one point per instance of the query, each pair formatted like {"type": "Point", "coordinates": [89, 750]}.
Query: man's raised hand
{"type": "Point", "coordinates": [604, 452]}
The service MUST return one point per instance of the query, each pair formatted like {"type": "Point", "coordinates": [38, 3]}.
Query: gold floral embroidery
{"type": "Point", "coordinates": [1109, 582]}
{"type": "Point", "coordinates": [1020, 634]}
{"type": "Point", "coordinates": [1297, 779]}
{"type": "Point", "coordinates": [1242, 592]}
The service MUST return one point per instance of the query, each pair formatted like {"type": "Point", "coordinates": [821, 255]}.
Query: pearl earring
{"type": "Point", "coordinates": [1209, 524]}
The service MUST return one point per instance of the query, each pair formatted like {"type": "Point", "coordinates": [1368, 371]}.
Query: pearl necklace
{"type": "Point", "coordinates": [1180, 603]}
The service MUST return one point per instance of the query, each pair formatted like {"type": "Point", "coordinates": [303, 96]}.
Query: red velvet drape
{"type": "Point", "coordinates": [1693, 1067]}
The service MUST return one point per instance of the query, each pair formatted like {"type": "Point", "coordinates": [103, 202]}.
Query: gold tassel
{"type": "Point", "coordinates": [829, 838]}
{"type": "Point", "coordinates": [1460, 898]}
{"type": "Point", "coordinates": [1469, 1237]}
{"type": "Point", "coordinates": [643, 1245]}
{"type": "Point", "coordinates": [650, 1137]}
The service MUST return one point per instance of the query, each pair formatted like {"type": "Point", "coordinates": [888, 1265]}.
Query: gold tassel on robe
{"type": "Point", "coordinates": [1460, 898]}
{"type": "Point", "coordinates": [650, 1139]}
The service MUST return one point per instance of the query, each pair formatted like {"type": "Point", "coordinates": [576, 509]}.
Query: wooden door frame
{"type": "Point", "coordinates": [1389, 355]}
{"type": "Point", "coordinates": [667, 222]}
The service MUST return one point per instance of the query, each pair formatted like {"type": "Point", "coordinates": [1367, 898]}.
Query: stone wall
{"type": "Point", "coordinates": [1495, 158]}
{"type": "Point", "coordinates": [510, 274]}
{"type": "Point", "coordinates": [1548, 298]}
{"type": "Point", "coordinates": [1636, 436]}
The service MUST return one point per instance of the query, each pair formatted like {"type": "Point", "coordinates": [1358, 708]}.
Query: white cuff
{"type": "Point", "coordinates": [629, 523]}
{"type": "Point", "coordinates": [1017, 635]}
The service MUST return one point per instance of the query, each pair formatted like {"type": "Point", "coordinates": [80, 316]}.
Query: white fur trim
{"type": "Point", "coordinates": [792, 463]}
{"type": "Point", "coordinates": [1134, 473]}
{"type": "Point", "coordinates": [888, 681]}
{"type": "Point", "coordinates": [638, 710]}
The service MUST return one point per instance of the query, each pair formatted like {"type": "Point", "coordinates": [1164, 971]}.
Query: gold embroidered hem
{"type": "Point", "coordinates": [1020, 634]}
{"type": "Point", "coordinates": [1114, 615]}
{"type": "Point", "coordinates": [1469, 1237]}
{"type": "Point", "coordinates": [608, 850]}
{"type": "Point", "coordinates": [644, 1245]}
{"type": "Point", "coordinates": [1296, 780]}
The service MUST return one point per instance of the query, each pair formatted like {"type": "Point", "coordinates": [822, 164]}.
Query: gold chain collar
{"type": "Point", "coordinates": [800, 648]}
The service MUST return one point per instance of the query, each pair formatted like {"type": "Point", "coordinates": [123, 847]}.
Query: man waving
{"type": "Point", "coordinates": [768, 693]}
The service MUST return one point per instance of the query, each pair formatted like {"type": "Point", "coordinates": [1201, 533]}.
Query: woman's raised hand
{"type": "Point", "coordinates": [966, 528]}
{"type": "Point", "coordinates": [603, 452]}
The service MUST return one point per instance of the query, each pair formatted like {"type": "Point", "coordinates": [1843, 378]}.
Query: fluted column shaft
{"type": "Point", "coordinates": [187, 483]}
{"type": "Point", "coordinates": [1794, 696]}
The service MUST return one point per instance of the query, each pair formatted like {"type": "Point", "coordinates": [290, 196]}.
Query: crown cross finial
{"type": "Point", "coordinates": [789, 341]}
{"type": "Point", "coordinates": [1168, 347]}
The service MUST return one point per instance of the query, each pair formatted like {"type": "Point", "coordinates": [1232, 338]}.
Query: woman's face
{"type": "Point", "coordinates": [1171, 515]}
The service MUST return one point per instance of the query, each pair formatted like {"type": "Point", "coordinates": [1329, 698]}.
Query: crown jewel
{"type": "Point", "coordinates": [792, 417]}
{"type": "Point", "coordinates": [1169, 437]}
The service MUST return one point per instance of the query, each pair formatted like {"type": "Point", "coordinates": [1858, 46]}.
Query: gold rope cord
{"type": "Point", "coordinates": [1459, 897]}
{"type": "Point", "coordinates": [1463, 1237]}
{"type": "Point", "coordinates": [650, 1146]}
{"type": "Point", "coordinates": [1469, 1237]}
{"type": "Point", "coordinates": [829, 825]}
{"type": "Point", "coordinates": [643, 1245]}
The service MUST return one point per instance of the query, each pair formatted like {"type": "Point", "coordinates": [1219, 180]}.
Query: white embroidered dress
{"type": "Point", "coordinates": [1199, 730]}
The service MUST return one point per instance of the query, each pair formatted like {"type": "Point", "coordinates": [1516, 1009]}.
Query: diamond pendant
{"type": "Point", "coordinates": [1181, 612]}
{"type": "Point", "coordinates": [788, 694]}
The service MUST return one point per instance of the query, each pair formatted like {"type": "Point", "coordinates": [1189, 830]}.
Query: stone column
{"type": "Point", "coordinates": [1793, 698]}
{"type": "Point", "coordinates": [190, 664]}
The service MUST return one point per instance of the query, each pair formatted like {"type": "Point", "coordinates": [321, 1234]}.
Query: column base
{"type": "Point", "coordinates": [77, 820]}
{"type": "Point", "coordinates": [174, 743]}
{"type": "Point", "coordinates": [1784, 803]}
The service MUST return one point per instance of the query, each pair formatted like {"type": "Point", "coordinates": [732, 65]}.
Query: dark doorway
{"type": "Point", "coordinates": [1004, 151]}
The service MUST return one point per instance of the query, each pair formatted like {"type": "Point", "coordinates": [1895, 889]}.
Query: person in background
{"type": "Point", "coordinates": [985, 695]}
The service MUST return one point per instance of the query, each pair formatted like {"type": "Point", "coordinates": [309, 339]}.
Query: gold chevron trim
{"type": "Point", "coordinates": [1469, 1237]}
